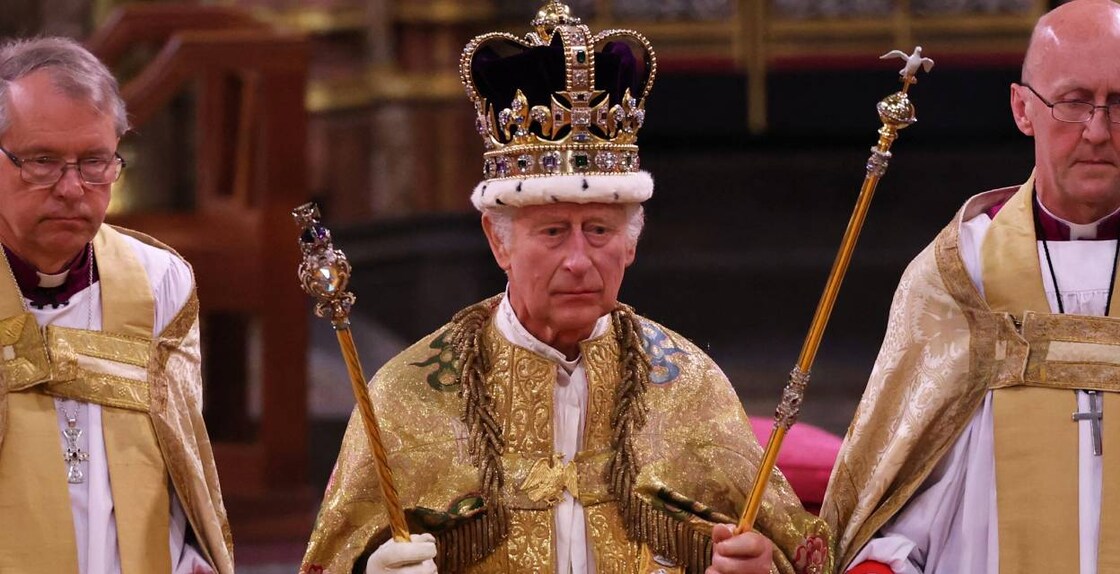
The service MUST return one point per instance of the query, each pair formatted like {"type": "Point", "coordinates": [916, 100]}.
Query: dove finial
{"type": "Point", "coordinates": [914, 62]}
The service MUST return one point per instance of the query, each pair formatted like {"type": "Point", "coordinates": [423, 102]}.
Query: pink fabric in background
{"type": "Point", "coordinates": [806, 458]}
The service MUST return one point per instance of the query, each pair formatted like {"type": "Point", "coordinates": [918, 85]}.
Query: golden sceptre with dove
{"type": "Point", "coordinates": [896, 113]}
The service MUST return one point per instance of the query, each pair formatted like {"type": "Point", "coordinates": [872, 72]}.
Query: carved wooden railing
{"type": "Point", "coordinates": [247, 81]}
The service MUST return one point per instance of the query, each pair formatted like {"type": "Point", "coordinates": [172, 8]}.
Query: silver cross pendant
{"type": "Point", "coordinates": [1094, 416]}
{"type": "Point", "coordinates": [74, 455]}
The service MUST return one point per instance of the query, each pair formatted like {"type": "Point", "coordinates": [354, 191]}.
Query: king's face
{"type": "Point", "coordinates": [565, 263]}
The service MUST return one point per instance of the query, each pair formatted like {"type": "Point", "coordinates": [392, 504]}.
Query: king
{"type": "Point", "coordinates": [551, 428]}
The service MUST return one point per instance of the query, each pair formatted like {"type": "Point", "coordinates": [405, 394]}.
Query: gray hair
{"type": "Point", "coordinates": [502, 220]}
{"type": "Point", "coordinates": [74, 71]}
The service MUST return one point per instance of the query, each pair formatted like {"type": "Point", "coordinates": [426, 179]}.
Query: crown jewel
{"type": "Point", "coordinates": [560, 102]}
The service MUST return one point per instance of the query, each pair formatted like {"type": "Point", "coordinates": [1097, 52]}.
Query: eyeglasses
{"type": "Point", "coordinates": [47, 170]}
{"type": "Point", "coordinates": [1077, 112]}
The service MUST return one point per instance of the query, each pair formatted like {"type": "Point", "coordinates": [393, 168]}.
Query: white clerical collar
{"type": "Point", "coordinates": [49, 281]}
{"type": "Point", "coordinates": [1078, 231]}
{"type": "Point", "coordinates": [511, 328]}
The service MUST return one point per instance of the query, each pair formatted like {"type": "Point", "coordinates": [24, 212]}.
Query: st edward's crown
{"type": "Point", "coordinates": [561, 102]}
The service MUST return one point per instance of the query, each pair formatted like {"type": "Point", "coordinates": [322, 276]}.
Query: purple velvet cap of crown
{"type": "Point", "coordinates": [500, 67]}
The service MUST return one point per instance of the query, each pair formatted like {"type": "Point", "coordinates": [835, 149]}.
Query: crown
{"type": "Point", "coordinates": [559, 112]}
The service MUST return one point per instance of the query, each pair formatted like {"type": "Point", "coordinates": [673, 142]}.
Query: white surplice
{"type": "Point", "coordinates": [569, 408]}
{"type": "Point", "coordinates": [95, 526]}
{"type": "Point", "coordinates": [951, 524]}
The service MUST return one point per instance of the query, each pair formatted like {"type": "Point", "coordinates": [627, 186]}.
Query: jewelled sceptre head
{"type": "Point", "coordinates": [896, 113]}
{"type": "Point", "coordinates": [324, 273]}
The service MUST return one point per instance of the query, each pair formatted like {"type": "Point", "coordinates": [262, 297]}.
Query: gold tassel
{"type": "Point", "coordinates": [466, 544]}
{"type": "Point", "coordinates": [676, 540]}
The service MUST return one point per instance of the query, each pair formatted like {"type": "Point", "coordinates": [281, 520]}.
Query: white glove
{"type": "Point", "coordinates": [415, 557]}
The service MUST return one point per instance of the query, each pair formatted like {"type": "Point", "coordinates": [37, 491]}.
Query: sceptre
{"type": "Point", "coordinates": [896, 113]}
{"type": "Point", "coordinates": [324, 273]}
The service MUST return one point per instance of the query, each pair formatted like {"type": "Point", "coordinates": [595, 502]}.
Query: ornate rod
{"type": "Point", "coordinates": [324, 274]}
{"type": "Point", "coordinates": [896, 113]}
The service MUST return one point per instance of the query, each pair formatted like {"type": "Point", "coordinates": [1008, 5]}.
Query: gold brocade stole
{"type": "Point", "coordinates": [522, 384]}
{"type": "Point", "coordinates": [1036, 440]}
{"type": "Point", "coordinates": [107, 367]}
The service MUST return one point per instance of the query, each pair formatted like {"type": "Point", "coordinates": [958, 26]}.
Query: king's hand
{"type": "Point", "coordinates": [413, 557]}
{"type": "Point", "coordinates": [745, 553]}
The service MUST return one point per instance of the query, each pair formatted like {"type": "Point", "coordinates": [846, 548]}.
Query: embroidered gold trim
{"type": "Point", "coordinates": [106, 390]}
{"type": "Point", "coordinates": [125, 349]}
{"type": "Point", "coordinates": [25, 362]}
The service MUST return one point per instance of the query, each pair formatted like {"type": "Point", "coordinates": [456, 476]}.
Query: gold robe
{"type": "Point", "coordinates": [150, 389]}
{"type": "Point", "coordinates": [696, 454]}
{"type": "Point", "coordinates": [945, 348]}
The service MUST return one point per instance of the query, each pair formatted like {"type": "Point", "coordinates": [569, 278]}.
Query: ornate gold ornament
{"type": "Point", "coordinates": [548, 479]}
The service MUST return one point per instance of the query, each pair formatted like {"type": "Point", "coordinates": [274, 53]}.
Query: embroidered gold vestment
{"type": "Point", "coordinates": [150, 390]}
{"type": "Point", "coordinates": [696, 457]}
{"type": "Point", "coordinates": [945, 348]}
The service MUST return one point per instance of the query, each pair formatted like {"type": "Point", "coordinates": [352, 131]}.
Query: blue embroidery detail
{"type": "Point", "coordinates": [659, 348]}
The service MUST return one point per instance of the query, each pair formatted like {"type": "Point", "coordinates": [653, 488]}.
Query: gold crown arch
{"type": "Point", "coordinates": [579, 132]}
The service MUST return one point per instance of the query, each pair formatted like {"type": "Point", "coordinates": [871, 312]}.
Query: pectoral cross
{"type": "Point", "coordinates": [74, 455]}
{"type": "Point", "coordinates": [1094, 416]}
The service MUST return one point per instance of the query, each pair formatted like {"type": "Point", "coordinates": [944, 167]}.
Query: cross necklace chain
{"type": "Point", "coordinates": [1095, 416]}
{"type": "Point", "coordinates": [74, 456]}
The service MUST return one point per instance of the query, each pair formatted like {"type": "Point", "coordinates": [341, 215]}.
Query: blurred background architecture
{"type": "Point", "coordinates": [758, 128]}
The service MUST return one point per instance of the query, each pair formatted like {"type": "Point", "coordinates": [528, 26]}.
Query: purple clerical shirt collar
{"type": "Point", "coordinates": [29, 281]}
{"type": "Point", "coordinates": [1057, 229]}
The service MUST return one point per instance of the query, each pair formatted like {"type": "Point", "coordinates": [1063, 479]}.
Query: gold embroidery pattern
{"type": "Point", "coordinates": [614, 552]}
{"type": "Point", "coordinates": [530, 541]}
{"type": "Point", "coordinates": [182, 324]}
{"type": "Point", "coordinates": [528, 421]}
{"type": "Point", "coordinates": [594, 483]}
{"type": "Point", "coordinates": [601, 365]}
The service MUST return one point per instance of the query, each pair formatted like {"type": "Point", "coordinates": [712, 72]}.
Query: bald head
{"type": "Point", "coordinates": [1069, 26]}
{"type": "Point", "coordinates": [1072, 61]}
